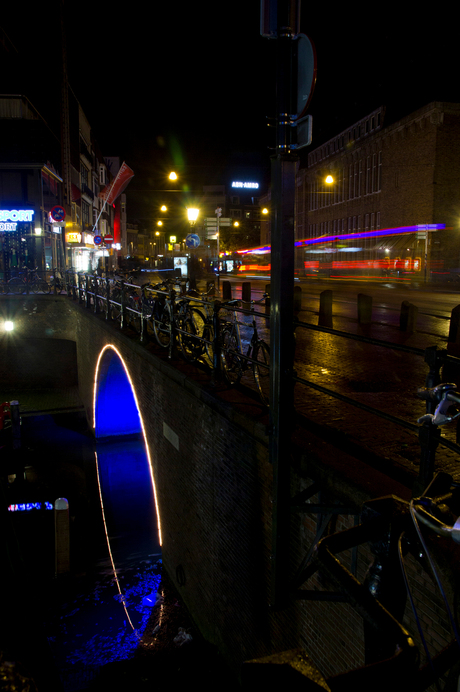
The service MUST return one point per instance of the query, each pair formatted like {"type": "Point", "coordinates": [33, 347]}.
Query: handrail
{"type": "Point", "coordinates": [87, 290]}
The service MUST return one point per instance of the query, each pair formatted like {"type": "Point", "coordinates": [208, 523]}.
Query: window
{"type": "Point", "coordinates": [85, 212]}
{"type": "Point", "coordinates": [84, 173]}
{"type": "Point", "coordinates": [368, 176]}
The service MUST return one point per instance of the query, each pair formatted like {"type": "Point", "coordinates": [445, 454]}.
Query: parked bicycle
{"type": "Point", "coordinates": [199, 323]}
{"type": "Point", "coordinates": [26, 281]}
{"type": "Point", "coordinates": [235, 360]}
{"type": "Point", "coordinates": [393, 529]}
{"type": "Point", "coordinates": [57, 283]}
{"type": "Point", "coordinates": [173, 317]}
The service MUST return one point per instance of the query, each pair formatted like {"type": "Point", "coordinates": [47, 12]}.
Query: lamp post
{"type": "Point", "coordinates": [158, 234]}
{"type": "Point", "coordinates": [192, 215]}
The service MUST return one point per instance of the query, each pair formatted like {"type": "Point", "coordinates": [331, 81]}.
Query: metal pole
{"type": "Point", "coordinates": [218, 250]}
{"type": "Point", "coordinates": [282, 313]}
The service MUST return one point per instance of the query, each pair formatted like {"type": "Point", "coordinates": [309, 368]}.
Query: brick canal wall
{"type": "Point", "coordinates": [214, 487]}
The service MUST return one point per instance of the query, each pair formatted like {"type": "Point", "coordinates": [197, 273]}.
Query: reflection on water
{"type": "Point", "coordinates": [104, 620]}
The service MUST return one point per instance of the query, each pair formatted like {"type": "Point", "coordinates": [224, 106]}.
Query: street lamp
{"type": "Point", "coordinates": [192, 215]}
{"type": "Point", "coordinates": [172, 176]}
{"type": "Point", "coordinates": [158, 233]}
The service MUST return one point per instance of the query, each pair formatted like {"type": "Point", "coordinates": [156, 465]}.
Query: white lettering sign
{"type": "Point", "coordinates": [252, 186]}
{"type": "Point", "coordinates": [16, 214]}
{"type": "Point", "coordinates": [8, 226]}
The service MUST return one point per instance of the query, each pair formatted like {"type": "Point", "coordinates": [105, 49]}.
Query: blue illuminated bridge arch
{"type": "Point", "coordinates": [116, 411]}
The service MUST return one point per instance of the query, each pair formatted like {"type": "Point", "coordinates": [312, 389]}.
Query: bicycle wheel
{"type": "Point", "coordinates": [16, 286]}
{"type": "Point", "coordinates": [132, 315]}
{"type": "Point", "coordinates": [148, 305]}
{"type": "Point", "coordinates": [163, 328]}
{"type": "Point", "coordinates": [115, 307]}
{"type": "Point", "coordinates": [261, 370]}
{"type": "Point", "coordinates": [232, 364]}
{"type": "Point", "coordinates": [40, 286]}
{"type": "Point", "coordinates": [190, 345]}
{"type": "Point", "coordinates": [207, 354]}
{"type": "Point", "coordinates": [101, 298]}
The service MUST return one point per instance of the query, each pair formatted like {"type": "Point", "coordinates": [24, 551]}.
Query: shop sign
{"type": "Point", "coordinates": [73, 237]}
{"type": "Point", "coordinates": [246, 186]}
{"type": "Point", "coordinates": [9, 218]}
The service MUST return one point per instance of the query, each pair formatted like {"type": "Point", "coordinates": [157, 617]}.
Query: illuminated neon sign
{"type": "Point", "coordinates": [28, 506]}
{"type": "Point", "coordinates": [16, 215]}
{"type": "Point", "coordinates": [251, 186]}
{"type": "Point", "coordinates": [9, 218]}
{"type": "Point", "coordinates": [73, 237]}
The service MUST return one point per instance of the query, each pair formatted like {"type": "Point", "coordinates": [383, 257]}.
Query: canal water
{"type": "Point", "coordinates": [100, 612]}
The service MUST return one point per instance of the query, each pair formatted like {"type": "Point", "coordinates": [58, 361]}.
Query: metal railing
{"type": "Point", "coordinates": [120, 300]}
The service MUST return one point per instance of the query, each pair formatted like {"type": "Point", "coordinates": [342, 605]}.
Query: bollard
{"type": "Point", "coordinates": [325, 309]}
{"type": "Point", "coordinates": [246, 294]}
{"type": "Point", "coordinates": [267, 288]}
{"type": "Point", "coordinates": [408, 317]}
{"type": "Point", "coordinates": [61, 536]}
{"type": "Point", "coordinates": [364, 309]}
{"type": "Point", "coordinates": [451, 371]}
{"type": "Point", "coordinates": [15, 424]}
{"type": "Point", "coordinates": [267, 305]}
{"type": "Point", "coordinates": [453, 340]}
{"type": "Point", "coordinates": [297, 299]}
{"type": "Point", "coordinates": [226, 290]}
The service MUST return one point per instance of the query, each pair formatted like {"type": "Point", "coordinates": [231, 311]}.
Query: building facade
{"type": "Point", "coordinates": [89, 176]}
{"type": "Point", "coordinates": [30, 188]}
{"type": "Point", "coordinates": [36, 180]}
{"type": "Point", "coordinates": [404, 175]}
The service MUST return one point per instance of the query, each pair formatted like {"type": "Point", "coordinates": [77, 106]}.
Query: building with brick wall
{"type": "Point", "coordinates": [385, 176]}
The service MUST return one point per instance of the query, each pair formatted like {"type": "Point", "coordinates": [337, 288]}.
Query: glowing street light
{"type": "Point", "coordinates": [192, 215]}
{"type": "Point", "coordinates": [172, 176]}
{"type": "Point", "coordinates": [163, 207]}
{"type": "Point", "coordinates": [329, 179]}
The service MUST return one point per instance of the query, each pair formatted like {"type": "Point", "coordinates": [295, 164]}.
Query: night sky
{"type": "Point", "coordinates": [167, 86]}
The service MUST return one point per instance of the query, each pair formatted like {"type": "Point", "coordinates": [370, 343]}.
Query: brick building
{"type": "Point", "coordinates": [402, 174]}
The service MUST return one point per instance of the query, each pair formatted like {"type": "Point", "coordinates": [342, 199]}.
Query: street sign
{"type": "Point", "coordinates": [108, 239]}
{"type": "Point", "coordinates": [97, 240]}
{"type": "Point", "coordinates": [305, 60]}
{"type": "Point", "coordinates": [304, 131]}
{"type": "Point", "coordinates": [58, 213]}
{"type": "Point", "coordinates": [192, 240]}
{"type": "Point", "coordinates": [211, 222]}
